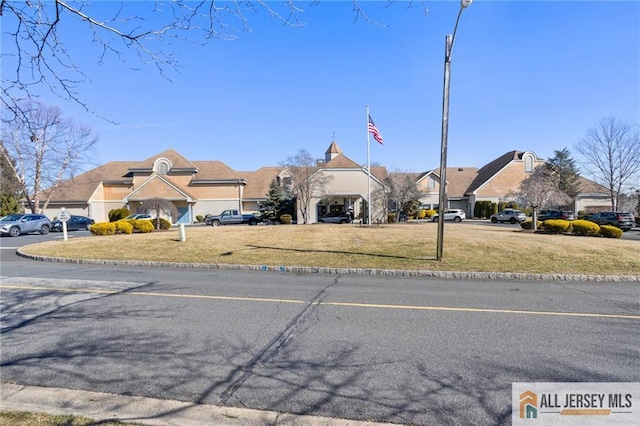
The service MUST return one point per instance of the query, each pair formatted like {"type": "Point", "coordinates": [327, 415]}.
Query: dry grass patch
{"type": "Point", "coordinates": [467, 247]}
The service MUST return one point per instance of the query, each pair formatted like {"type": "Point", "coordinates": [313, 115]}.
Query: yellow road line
{"type": "Point", "coordinates": [345, 304]}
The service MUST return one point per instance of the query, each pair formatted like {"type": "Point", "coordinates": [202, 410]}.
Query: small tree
{"type": "Point", "coordinates": [539, 190]}
{"type": "Point", "coordinates": [9, 186]}
{"type": "Point", "coordinates": [403, 193]}
{"type": "Point", "coordinates": [565, 171]}
{"type": "Point", "coordinates": [273, 204]}
{"type": "Point", "coordinates": [308, 181]}
{"type": "Point", "coordinates": [156, 206]}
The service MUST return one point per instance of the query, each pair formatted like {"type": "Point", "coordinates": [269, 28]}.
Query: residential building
{"type": "Point", "coordinates": [209, 187]}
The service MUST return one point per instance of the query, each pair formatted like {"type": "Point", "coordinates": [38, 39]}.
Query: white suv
{"type": "Point", "coordinates": [455, 215]}
{"type": "Point", "coordinates": [508, 215]}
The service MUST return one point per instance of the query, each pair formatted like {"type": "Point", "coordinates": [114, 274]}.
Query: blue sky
{"type": "Point", "coordinates": [525, 75]}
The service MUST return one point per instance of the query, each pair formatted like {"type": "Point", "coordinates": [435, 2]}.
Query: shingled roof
{"type": "Point", "coordinates": [258, 182]}
{"type": "Point", "coordinates": [491, 169]}
{"type": "Point", "coordinates": [177, 161]}
{"type": "Point", "coordinates": [82, 187]}
{"type": "Point", "coordinates": [214, 171]}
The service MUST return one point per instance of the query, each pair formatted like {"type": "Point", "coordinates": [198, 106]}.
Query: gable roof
{"type": "Point", "coordinates": [214, 171]}
{"type": "Point", "coordinates": [82, 187]}
{"type": "Point", "coordinates": [491, 169]}
{"type": "Point", "coordinates": [158, 184]}
{"type": "Point", "coordinates": [258, 182]}
{"type": "Point", "coordinates": [178, 162]}
{"type": "Point", "coordinates": [459, 179]}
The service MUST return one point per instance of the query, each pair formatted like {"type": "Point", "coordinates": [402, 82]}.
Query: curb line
{"type": "Point", "coordinates": [349, 271]}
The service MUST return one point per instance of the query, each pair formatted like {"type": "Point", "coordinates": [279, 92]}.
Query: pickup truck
{"type": "Point", "coordinates": [232, 217]}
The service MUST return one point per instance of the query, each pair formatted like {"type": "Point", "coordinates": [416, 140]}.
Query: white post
{"type": "Point", "coordinates": [181, 233]}
{"type": "Point", "coordinates": [64, 230]}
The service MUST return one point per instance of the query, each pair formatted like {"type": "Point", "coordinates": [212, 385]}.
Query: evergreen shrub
{"type": "Point", "coordinates": [585, 227]}
{"type": "Point", "coordinates": [528, 224]}
{"type": "Point", "coordinates": [103, 228]}
{"type": "Point", "coordinates": [117, 214]}
{"type": "Point", "coordinates": [164, 223]}
{"type": "Point", "coordinates": [144, 226]}
{"type": "Point", "coordinates": [123, 227]}
{"type": "Point", "coordinates": [286, 219]}
{"type": "Point", "coordinates": [557, 226]}
{"type": "Point", "coordinates": [610, 231]}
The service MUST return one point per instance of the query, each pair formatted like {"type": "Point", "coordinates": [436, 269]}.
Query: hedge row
{"type": "Point", "coordinates": [123, 226]}
{"type": "Point", "coordinates": [576, 227]}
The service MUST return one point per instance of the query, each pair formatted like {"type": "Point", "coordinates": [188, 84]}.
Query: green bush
{"type": "Point", "coordinates": [610, 231]}
{"type": "Point", "coordinates": [286, 219]}
{"type": "Point", "coordinates": [557, 226]}
{"type": "Point", "coordinates": [123, 227]}
{"type": "Point", "coordinates": [117, 214]}
{"type": "Point", "coordinates": [391, 217]}
{"type": "Point", "coordinates": [585, 227]}
{"type": "Point", "coordinates": [103, 228]}
{"type": "Point", "coordinates": [164, 223]}
{"type": "Point", "coordinates": [200, 218]}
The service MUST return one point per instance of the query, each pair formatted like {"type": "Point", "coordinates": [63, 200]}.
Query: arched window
{"type": "Point", "coordinates": [163, 168]}
{"type": "Point", "coordinates": [528, 164]}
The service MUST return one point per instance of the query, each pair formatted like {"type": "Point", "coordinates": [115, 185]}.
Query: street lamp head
{"type": "Point", "coordinates": [465, 3]}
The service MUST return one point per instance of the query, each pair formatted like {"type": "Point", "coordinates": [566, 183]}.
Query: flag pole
{"type": "Point", "coordinates": [368, 171]}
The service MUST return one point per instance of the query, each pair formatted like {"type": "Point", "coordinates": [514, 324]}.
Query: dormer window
{"type": "Point", "coordinates": [162, 166]}
{"type": "Point", "coordinates": [528, 163]}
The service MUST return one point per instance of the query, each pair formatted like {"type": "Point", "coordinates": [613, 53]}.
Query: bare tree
{"type": "Point", "coordinates": [44, 149]}
{"type": "Point", "coordinates": [36, 52]}
{"type": "Point", "coordinates": [403, 192]}
{"type": "Point", "coordinates": [158, 206]}
{"type": "Point", "coordinates": [308, 181]}
{"type": "Point", "coordinates": [611, 150]}
{"type": "Point", "coordinates": [541, 189]}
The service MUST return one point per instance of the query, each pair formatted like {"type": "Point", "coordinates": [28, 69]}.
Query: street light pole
{"type": "Point", "coordinates": [449, 40]}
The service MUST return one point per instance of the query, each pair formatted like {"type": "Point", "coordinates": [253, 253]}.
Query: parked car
{"type": "Point", "coordinates": [16, 224]}
{"type": "Point", "coordinates": [139, 216]}
{"type": "Point", "coordinates": [621, 220]}
{"type": "Point", "coordinates": [556, 214]}
{"type": "Point", "coordinates": [75, 223]}
{"type": "Point", "coordinates": [455, 215]}
{"type": "Point", "coordinates": [335, 217]}
{"type": "Point", "coordinates": [508, 215]}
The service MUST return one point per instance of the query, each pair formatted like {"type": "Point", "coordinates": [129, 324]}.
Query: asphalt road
{"type": "Point", "coordinates": [421, 351]}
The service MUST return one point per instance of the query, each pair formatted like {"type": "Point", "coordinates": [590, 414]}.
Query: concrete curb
{"type": "Point", "coordinates": [148, 411]}
{"type": "Point", "coordinates": [513, 276]}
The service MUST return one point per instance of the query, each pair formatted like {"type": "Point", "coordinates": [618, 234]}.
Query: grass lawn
{"type": "Point", "coordinates": [18, 418]}
{"type": "Point", "coordinates": [410, 246]}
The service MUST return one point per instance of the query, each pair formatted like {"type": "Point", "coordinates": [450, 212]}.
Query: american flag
{"type": "Point", "coordinates": [374, 131]}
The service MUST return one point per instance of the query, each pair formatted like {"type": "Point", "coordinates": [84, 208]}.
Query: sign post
{"type": "Point", "coordinates": [64, 216]}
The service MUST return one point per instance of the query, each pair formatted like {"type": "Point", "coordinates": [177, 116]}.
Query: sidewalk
{"type": "Point", "coordinates": [149, 411]}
